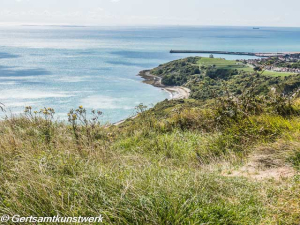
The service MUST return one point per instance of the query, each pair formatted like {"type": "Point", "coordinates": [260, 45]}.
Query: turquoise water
{"type": "Point", "coordinates": [64, 67]}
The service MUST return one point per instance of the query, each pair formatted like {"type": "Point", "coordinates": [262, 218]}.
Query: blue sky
{"type": "Point", "coordinates": [152, 12]}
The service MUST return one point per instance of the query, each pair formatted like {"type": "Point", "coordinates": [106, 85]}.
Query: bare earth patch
{"type": "Point", "coordinates": [265, 163]}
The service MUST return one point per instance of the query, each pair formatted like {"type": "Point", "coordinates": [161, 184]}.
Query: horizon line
{"type": "Point", "coordinates": [135, 25]}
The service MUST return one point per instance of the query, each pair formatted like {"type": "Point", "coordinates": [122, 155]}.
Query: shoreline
{"type": "Point", "coordinates": [176, 92]}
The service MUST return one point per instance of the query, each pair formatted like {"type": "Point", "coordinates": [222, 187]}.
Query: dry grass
{"type": "Point", "coordinates": [150, 170]}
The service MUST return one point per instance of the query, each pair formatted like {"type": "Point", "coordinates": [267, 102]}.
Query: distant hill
{"type": "Point", "coordinates": [207, 77]}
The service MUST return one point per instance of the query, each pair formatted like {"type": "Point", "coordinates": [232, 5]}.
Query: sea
{"type": "Point", "coordinates": [64, 67]}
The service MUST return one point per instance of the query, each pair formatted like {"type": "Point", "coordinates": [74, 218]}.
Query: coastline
{"type": "Point", "coordinates": [176, 92]}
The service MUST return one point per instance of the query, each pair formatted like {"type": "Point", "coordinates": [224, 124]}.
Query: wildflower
{"type": "Point", "coordinates": [27, 109]}
{"type": "Point", "coordinates": [81, 107]}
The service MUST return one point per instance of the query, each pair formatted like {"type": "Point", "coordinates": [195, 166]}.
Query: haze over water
{"type": "Point", "coordinates": [64, 67]}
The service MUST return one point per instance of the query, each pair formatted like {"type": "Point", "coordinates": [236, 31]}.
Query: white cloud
{"type": "Point", "coordinates": [154, 12]}
{"type": "Point", "coordinates": [21, 0]}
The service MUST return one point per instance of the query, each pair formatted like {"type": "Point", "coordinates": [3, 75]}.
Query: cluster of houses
{"type": "Point", "coordinates": [283, 69]}
{"type": "Point", "coordinates": [276, 61]}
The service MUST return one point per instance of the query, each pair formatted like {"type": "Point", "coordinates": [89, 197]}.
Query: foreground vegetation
{"type": "Point", "coordinates": [231, 159]}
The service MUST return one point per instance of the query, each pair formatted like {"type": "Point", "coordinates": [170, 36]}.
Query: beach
{"type": "Point", "coordinates": [176, 92]}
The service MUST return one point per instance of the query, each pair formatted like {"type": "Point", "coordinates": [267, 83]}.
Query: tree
{"type": "Point", "coordinates": [257, 68]}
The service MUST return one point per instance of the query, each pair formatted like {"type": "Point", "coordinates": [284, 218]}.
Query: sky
{"type": "Point", "coordinates": [151, 12]}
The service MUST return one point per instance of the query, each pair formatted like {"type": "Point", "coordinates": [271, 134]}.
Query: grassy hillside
{"type": "Point", "coordinates": [208, 78]}
{"type": "Point", "coordinates": [232, 159]}
{"type": "Point", "coordinates": [232, 64]}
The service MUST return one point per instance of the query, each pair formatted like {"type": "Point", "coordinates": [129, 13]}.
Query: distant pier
{"type": "Point", "coordinates": [261, 54]}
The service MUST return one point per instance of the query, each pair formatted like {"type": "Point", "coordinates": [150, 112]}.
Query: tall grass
{"type": "Point", "coordinates": [163, 167]}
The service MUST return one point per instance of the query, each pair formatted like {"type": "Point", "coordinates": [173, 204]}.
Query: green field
{"type": "Point", "coordinates": [232, 64]}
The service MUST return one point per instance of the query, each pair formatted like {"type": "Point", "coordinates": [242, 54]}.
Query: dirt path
{"type": "Point", "coordinates": [266, 162]}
